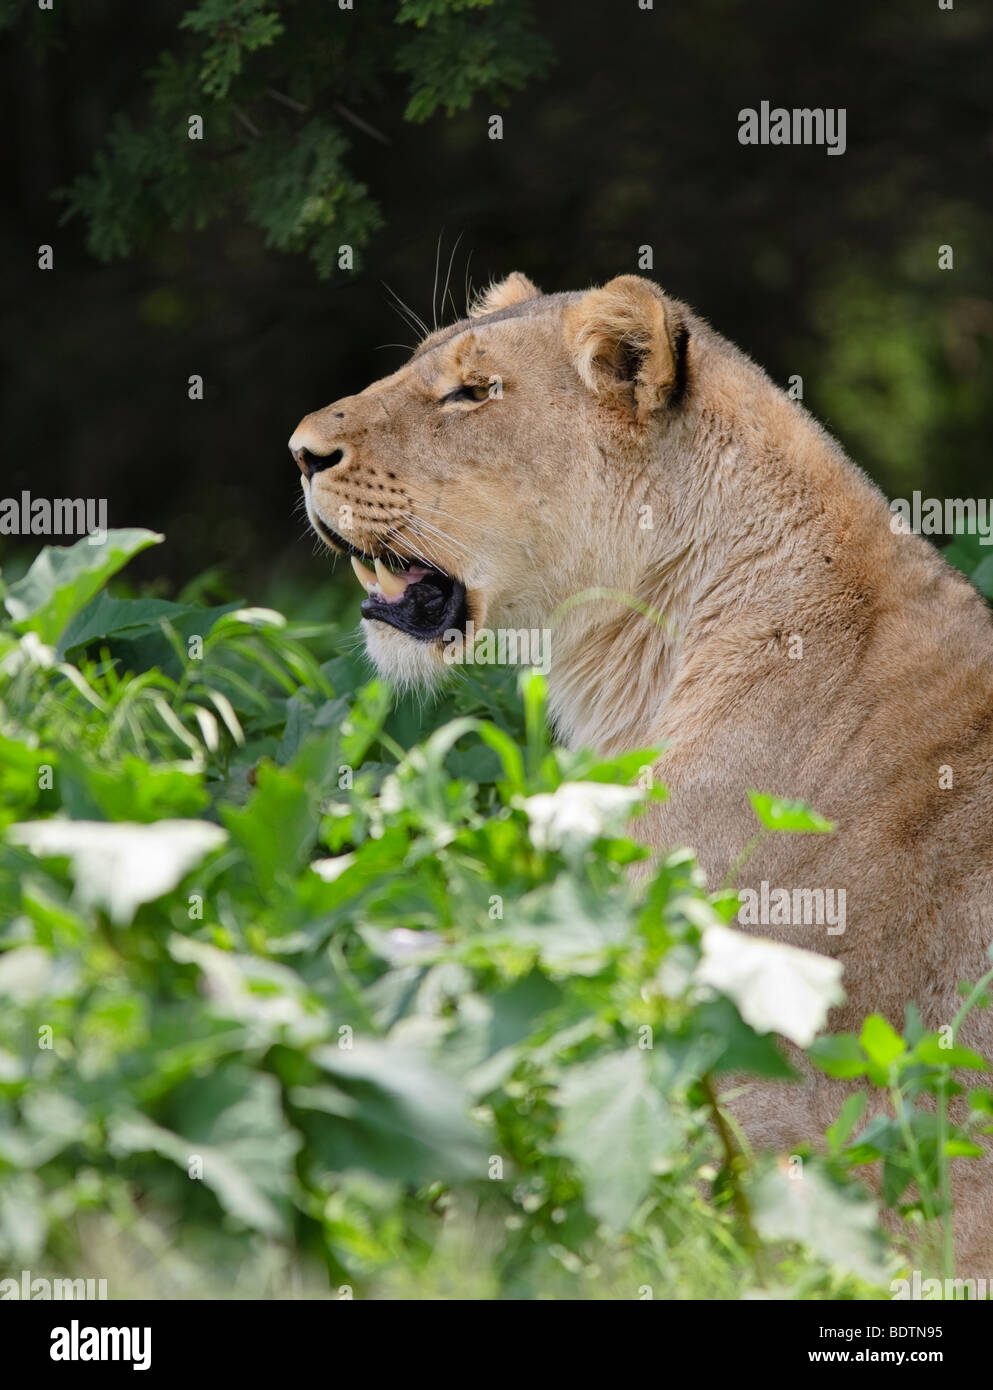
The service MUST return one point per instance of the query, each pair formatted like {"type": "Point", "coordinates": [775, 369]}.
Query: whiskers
{"type": "Point", "coordinates": [353, 642]}
{"type": "Point", "coordinates": [412, 318]}
{"type": "Point", "coordinates": [425, 530]}
{"type": "Point", "coordinates": [307, 530]}
{"type": "Point", "coordinates": [481, 528]}
{"type": "Point", "coordinates": [448, 276]}
{"type": "Point", "coordinates": [439, 511]}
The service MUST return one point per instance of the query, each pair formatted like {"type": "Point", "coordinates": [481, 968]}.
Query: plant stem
{"type": "Point", "coordinates": [913, 1151]}
{"type": "Point", "coordinates": [735, 1161]}
{"type": "Point", "coordinates": [971, 998]}
{"type": "Point", "coordinates": [945, 1183]}
{"type": "Point", "coordinates": [944, 1164]}
{"type": "Point", "coordinates": [743, 859]}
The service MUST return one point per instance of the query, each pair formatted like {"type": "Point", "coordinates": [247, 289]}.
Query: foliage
{"type": "Point", "coordinates": [301, 987]}
{"type": "Point", "coordinates": [969, 554]}
{"type": "Point", "coordinates": [283, 88]}
{"type": "Point", "coordinates": [915, 1144]}
{"type": "Point", "coordinates": [900, 371]}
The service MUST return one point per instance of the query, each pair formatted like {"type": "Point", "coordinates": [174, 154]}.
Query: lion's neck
{"type": "Point", "coordinates": [615, 659]}
{"type": "Point", "coordinates": [737, 562]}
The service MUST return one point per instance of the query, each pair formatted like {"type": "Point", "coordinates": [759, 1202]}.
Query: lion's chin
{"type": "Point", "coordinates": [408, 663]}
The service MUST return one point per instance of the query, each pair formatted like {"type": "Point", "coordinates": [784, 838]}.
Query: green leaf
{"type": "Point", "coordinates": [233, 1117]}
{"type": "Point", "coordinates": [19, 777]}
{"type": "Point", "coordinates": [930, 1050]}
{"type": "Point", "coordinates": [23, 1223]}
{"type": "Point", "coordinates": [838, 1054]}
{"type": "Point", "coordinates": [851, 1112]}
{"type": "Point", "coordinates": [913, 1027]}
{"type": "Point", "coordinates": [577, 813]}
{"type": "Point", "coordinates": [64, 578]}
{"type": "Point", "coordinates": [796, 816]}
{"type": "Point", "coordinates": [262, 993]}
{"type": "Point", "coordinates": [278, 828]}
{"type": "Point", "coordinates": [776, 988]}
{"type": "Point", "coordinates": [120, 866]}
{"type": "Point", "coordinates": [509, 754]}
{"type": "Point", "coordinates": [390, 1111]}
{"type": "Point", "coordinates": [882, 1135]}
{"type": "Point", "coordinates": [105, 617]}
{"type": "Point", "coordinates": [738, 1046]}
{"type": "Point", "coordinates": [131, 790]}
{"type": "Point", "coordinates": [963, 1148]}
{"type": "Point", "coordinates": [615, 1127]}
{"type": "Point", "coordinates": [982, 576]}
{"type": "Point", "coordinates": [838, 1226]}
{"type": "Point", "coordinates": [981, 1100]}
{"type": "Point", "coordinates": [234, 1136]}
{"type": "Point", "coordinates": [880, 1041]}
{"type": "Point", "coordinates": [569, 928]}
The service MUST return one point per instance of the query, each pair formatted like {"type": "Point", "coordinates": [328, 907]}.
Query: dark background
{"type": "Point", "coordinates": [819, 265]}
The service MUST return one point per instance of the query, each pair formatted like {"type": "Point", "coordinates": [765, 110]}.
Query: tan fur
{"type": "Point", "coordinates": [762, 531]}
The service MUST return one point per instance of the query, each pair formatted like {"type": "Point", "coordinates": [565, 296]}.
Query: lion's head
{"type": "Point", "coordinates": [498, 473]}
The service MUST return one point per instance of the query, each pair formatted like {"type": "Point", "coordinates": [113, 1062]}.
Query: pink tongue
{"type": "Point", "coordinates": [410, 576]}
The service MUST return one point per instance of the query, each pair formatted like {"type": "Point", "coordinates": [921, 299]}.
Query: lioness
{"type": "Point", "coordinates": [609, 440]}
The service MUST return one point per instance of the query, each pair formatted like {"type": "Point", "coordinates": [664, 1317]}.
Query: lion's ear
{"type": "Point", "coordinates": [627, 339]}
{"type": "Point", "coordinates": [514, 290]}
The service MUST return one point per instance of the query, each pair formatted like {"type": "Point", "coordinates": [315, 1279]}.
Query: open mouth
{"type": "Point", "coordinates": [417, 597]}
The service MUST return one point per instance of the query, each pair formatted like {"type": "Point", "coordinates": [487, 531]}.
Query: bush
{"type": "Point", "coordinates": [307, 993]}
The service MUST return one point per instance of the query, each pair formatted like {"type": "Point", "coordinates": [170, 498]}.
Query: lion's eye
{"type": "Point", "coordinates": [466, 393]}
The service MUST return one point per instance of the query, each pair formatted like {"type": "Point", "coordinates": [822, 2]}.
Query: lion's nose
{"type": "Point", "coordinates": [310, 463]}
{"type": "Point", "coordinates": [312, 453]}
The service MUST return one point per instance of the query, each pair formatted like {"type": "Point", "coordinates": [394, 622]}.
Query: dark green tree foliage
{"type": "Point", "coordinates": [282, 87]}
{"type": "Point", "coordinates": [823, 270]}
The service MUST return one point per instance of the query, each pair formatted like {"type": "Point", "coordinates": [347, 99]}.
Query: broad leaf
{"type": "Point", "coordinates": [777, 988]}
{"type": "Point", "coordinates": [615, 1126]}
{"type": "Point", "coordinates": [119, 866]}
{"type": "Point", "coordinates": [797, 816]}
{"type": "Point", "coordinates": [64, 578]}
{"type": "Point", "coordinates": [801, 1204]}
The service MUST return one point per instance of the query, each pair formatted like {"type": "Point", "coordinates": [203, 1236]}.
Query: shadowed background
{"type": "Point", "coordinates": [623, 134]}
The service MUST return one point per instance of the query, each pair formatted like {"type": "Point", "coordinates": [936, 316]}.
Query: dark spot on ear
{"type": "Point", "coordinates": [339, 415]}
{"type": "Point", "coordinates": [827, 559]}
{"type": "Point", "coordinates": [391, 475]}
{"type": "Point", "coordinates": [629, 360]}
{"type": "Point", "coordinates": [680, 344]}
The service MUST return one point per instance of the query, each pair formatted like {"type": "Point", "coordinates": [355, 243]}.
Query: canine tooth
{"type": "Point", "coordinates": [365, 576]}
{"type": "Point", "coordinates": [391, 586]}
